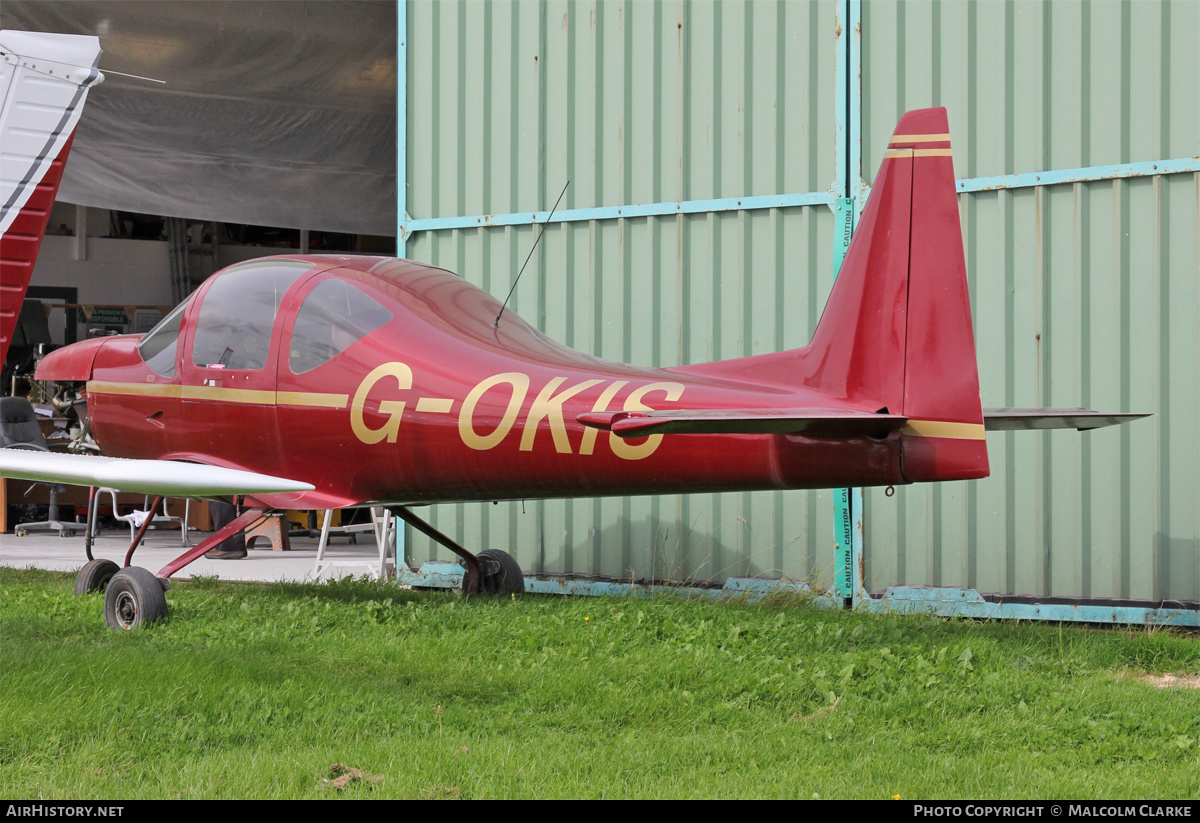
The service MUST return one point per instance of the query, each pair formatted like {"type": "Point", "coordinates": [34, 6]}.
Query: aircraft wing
{"type": "Point", "coordinates": [170, 478]}
{"type": "Point", "coordinates": [1008, 419]}
{"type": "Point", "coordinates": [837, 422]}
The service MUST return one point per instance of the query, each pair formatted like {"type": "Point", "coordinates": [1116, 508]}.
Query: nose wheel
{"type": "Point", "coordinates": [135, 597]}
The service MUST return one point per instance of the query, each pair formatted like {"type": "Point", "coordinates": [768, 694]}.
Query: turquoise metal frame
{"type": "Point", "coordinates": [402, 218]}
{"type": "Point", "coordinates": [851, 196]}
{"type": "Point", "coordinates": [846, 196]}
{"type": "Point", "coordinates": [896, 600]}
{"type": "Point", "coordinates": [1152, 168]}
{"type": "Point", "coordinates": [770, 201]}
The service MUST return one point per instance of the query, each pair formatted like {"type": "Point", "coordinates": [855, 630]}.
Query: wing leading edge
{"type": "Point", "coordinates": [166, 477]}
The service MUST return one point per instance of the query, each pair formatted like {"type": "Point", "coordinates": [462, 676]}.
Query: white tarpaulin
{"type": "Point", "coordinates": [273, 113]}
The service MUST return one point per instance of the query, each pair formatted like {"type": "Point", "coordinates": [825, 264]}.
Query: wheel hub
{"type": "Point", "coordinates": [126, 609]}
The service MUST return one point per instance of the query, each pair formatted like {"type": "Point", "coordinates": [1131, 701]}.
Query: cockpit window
{"type": "Point", "coordinates": [234, 327]}
{"type": "Point", "coordinates": [333, 317]}
{"type": "Point", "coordinates": [158, 346]}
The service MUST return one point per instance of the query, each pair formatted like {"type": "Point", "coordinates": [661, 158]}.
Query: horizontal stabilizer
{"type": "Point", "coordinates": [1025, 419]}
{"type": "Point", "coordinates": [170, 478]}
{"type": "Point", "coordinates": [836, 422]}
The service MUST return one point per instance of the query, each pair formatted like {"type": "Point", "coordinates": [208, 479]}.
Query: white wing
{"type": "Point", "coordinates": [170, 478]}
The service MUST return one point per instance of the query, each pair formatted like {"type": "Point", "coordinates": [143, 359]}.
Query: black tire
{"type": "Point", "coordinates": [509, 580]}
{"type": "Point", "coordinates": [135, 597]}
{"type": "Point", "coordinates": [94, 576]}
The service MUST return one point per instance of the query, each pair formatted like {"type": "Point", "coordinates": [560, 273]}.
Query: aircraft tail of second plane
{"type": "Point", "coordinates": [44, 81]}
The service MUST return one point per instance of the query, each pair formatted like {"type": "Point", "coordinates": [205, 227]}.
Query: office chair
{"type": "Point", "coordinates": [19, 429]}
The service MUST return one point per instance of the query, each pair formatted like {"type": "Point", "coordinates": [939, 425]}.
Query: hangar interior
{"type": "Point", "coordinates": [718, 155]}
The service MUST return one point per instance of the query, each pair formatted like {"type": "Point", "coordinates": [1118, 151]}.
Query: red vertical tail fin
{"type": "Point", "coordinates": [896, 332]}
{"type": "Point", "coordinates": [44, 80]}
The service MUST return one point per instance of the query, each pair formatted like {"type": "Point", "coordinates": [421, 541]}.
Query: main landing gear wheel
{"type": "Point", "coordinates": [501, 574]}
{"type": "Point", "coordinates": [496, 571]}
{"type": "Point", "coordinates": [94, 576]}
{"type": "Point", "coordinates": [135, 597]}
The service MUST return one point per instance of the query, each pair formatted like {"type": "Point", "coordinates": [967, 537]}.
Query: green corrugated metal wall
{"type": "Point", "coordinates": [656, 102]}
{"type": "Point", "coordinates": [634, 103]}
{"type": "Point", "coordinates": [1083, 293]}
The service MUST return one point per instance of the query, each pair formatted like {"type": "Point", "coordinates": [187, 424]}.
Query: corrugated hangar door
{"type": "Point", "coordinates": [713, 150]}
{"type": "Point", "coordinates": [1076, 131]}
{"type": "Point", "coordinates": [699, 142]}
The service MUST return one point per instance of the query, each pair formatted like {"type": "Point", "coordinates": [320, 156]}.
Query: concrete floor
{"type": "Point", "coordinates": [46, 550]}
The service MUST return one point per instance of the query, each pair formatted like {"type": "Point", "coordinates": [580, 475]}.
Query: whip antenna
{"type": "Point", "coordinates": [496, 322]}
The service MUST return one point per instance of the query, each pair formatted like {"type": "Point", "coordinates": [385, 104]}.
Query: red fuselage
{"type": "Point", "coordinates": [436, 404]}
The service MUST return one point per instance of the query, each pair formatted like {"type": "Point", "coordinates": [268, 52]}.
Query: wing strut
{"type": "Point", "coordinates": [245, 520]}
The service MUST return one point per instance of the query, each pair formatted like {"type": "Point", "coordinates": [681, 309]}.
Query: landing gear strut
{"type": "Point", "coordinates": [491, 572]}
{"type": "Point", "coordinates": [134, 596]}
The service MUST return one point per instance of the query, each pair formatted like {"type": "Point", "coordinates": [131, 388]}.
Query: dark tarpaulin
{"type": "Point", "coordinates": [273, 113]}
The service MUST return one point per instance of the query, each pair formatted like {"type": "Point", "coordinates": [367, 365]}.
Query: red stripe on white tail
{"type": "Point", "coordinates": [44, 80]}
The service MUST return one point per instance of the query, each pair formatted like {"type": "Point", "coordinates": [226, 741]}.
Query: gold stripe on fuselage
{"type": "Point", "coordinates": [304, 398]}
{"type": "Point", "coordinates": [219, 394]}
{"type": "Point", "coordinates": [942, 428]}
{"type": "Point", "coordinates": [920, 428]}
{"type": "Point", "coordinates": [135, 389]}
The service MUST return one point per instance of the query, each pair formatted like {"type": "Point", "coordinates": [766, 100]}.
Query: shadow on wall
{"type": "Point", "coordinates": [657, 550]}
{"type": "Point", "coordinates": [558, 538]}
{"type": "Point", "coordinates": [1177, 565]}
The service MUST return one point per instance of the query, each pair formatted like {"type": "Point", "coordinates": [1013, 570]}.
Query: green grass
{"type": "Point", "coordinates": [258, 691]}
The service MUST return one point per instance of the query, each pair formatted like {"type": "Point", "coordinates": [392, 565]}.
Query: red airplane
{"type": "Point", "coordinates": [318, 382]}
